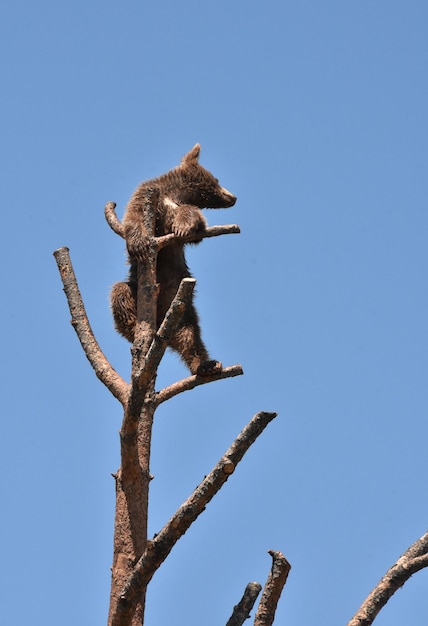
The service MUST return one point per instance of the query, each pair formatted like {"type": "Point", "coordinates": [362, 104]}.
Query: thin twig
{"type": "Point", "coordinates": [158, 549]}
{"type": "Point", "coordinates": [112, 219]}
{"type": "Point", "coordinates": [414, 559]}
{"type": "Point", "coordinates": [194, 381]}
{"type": "Point", "coordinates": [79, 320]}
{"type": "Point", "coordinates": [242, 610]}
{"type": "Point", "coordinates": [273, 588]}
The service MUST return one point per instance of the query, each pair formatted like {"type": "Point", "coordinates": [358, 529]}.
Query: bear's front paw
{"type": "Point", "coordinates": [136, 244]}
{"type": "Point", "coordinates": [209, 368]}
{"type": "Point", "coordinates": [188, 221]}
{"type": "Point", "coordinates": [137, 250]}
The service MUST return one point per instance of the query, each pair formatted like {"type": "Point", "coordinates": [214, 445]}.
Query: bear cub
{"type": "Point", "coordinates": [183, 192]}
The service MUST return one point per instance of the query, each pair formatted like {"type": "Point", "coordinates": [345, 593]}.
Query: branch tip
{"type": "Point", "coordinates": [242, 610]}
{"type": "Point", "coordinates": [272, 590]}
{"type": "Point", "coordinates": [112, 219]}
{"type": "Point", "coordinates": [59, 251]}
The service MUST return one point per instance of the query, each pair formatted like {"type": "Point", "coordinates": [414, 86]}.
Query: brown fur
{"type": "Point", "coordinates": [182, 193]}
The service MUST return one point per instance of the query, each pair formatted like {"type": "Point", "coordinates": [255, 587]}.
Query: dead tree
{"type": "Point", "coordinates": [136, 557]}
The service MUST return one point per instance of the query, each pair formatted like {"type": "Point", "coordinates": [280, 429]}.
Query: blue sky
{"type": "Point", "coordinates": [315, 115]}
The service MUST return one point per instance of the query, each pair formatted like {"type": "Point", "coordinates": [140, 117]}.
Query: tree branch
{"type": "Point", "coordinates": [112, 219]}
{"type": "Point", "coordinates": [194, 381]}
{"type": "Point", "coordinates": [166, 330]}
{"type": "Point", "coordinates": [166, 240]}
{"type": "Point", "coordinates": [147, 292]}
{"type": "Point", "coordinates": [79, 320]}
{"type": "Point", "coordinates": [273, 588]}
{"type": "Point", "coordinates": [414, 559]}
{"type": "Point", "coordinates": [158, 549]}
{"type": "Point", "coordinates": [242, 610]}
{"type": "Point", "coordinates": [210, 231]}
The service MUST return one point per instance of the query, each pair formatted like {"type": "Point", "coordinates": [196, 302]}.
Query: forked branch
{"type": "Point", "coordinates": [166, 240]}
{"type": "Point", "coordinates": [158, 548]}
{"type": "Point", "coordinates": [414, 559]}
{"type": "Point", "coordinates": [210, 231]}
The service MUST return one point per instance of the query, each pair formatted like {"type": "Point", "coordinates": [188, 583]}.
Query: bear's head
{"type": "Point", "coordinates": [198, 187]}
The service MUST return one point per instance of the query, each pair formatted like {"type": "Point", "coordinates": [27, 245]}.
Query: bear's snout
{"type": "Point", "coordinates": [229, 198]}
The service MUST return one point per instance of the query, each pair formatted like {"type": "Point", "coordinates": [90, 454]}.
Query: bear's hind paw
{"type": "Point", "coordinates": [209, 368]}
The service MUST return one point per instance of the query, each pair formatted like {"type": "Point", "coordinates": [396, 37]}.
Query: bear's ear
{"type": "Point", "coordinates": [191, 156]}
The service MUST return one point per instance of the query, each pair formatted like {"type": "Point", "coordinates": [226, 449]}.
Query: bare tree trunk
{"type": "Point", "coordinates": [135, 557]}
{"type": "Point", "coordinates": [133, 477]}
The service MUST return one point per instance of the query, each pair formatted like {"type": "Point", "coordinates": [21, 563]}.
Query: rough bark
{"type": "Point", "coordinates": [272, 590]}
{"type": "Point", "coordinates": [161, 545]}
{"type": "Point", "coordinates": [133, 476]}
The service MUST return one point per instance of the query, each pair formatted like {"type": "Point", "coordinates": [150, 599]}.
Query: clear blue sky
{"type": "Point", "coordinates": [315, 115]}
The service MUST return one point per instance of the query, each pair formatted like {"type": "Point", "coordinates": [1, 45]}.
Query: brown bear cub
{"type": "Point", "coordinates": [182, 193]}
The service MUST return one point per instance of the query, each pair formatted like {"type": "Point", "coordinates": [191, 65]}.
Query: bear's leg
{"type": "Point", "coordinates": [188, 343]}
{"type": "Point", "coordinates": [124, 308]}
